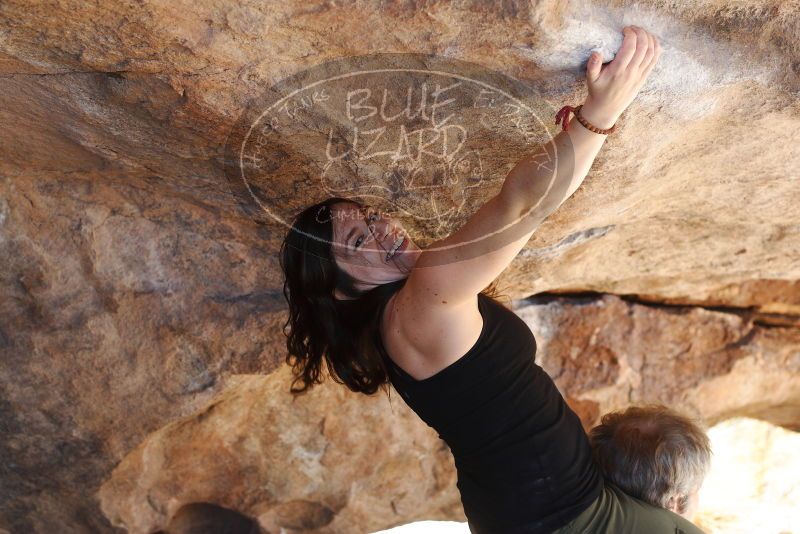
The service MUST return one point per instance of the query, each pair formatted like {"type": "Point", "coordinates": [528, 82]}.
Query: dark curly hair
{"type": "Point", "coordinates": [322, 328]}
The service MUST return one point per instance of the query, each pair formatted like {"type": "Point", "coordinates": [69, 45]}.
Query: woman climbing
{"type": "Point", "coordinates": [377, 309]}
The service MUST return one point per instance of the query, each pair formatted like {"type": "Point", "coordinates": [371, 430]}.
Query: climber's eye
{"type": "Point", "coordinates": [371, 216]}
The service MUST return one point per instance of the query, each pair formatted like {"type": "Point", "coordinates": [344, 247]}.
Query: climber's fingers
{"type": "Point", "coordinates": [625, 53]}
{"type": "Point", "coordinates": [593, 67]}
{"type": "Point", "coordinates": [651, 51]}
{"type": "Point", "coordinates": [653, 60]}
{"type": "Point", "coordinates": [643, 44]}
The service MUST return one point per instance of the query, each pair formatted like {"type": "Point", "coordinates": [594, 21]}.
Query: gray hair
{"type": "Point", "coordinates": [652, 453]}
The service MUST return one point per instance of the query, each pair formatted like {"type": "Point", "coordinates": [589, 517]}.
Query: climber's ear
{"type": "Point", "coordinates": [673, 504]}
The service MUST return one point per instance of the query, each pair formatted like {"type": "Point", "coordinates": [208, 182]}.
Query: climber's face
{"type": "Point", "coordinates": [363, 237]}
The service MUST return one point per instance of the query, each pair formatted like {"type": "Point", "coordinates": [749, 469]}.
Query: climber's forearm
{"type": "Point", "coordinates": [539, 183]}
{"type": "Point", "coordinates": [542, 181]}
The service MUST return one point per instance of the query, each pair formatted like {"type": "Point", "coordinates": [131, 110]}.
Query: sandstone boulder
{"type": "Point", "coordinates": [133, 287]}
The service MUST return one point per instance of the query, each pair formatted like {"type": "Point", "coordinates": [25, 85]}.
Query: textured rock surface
{"type": "Point", "coordinates": [604, 353]}
{"type": "Point", "coordinates": [132, 286]}
{"type": "Point", "coordinates": [329, 461]}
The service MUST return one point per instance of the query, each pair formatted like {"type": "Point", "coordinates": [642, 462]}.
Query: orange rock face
{"type": "Point", "coordinates": [331, 460]}
{"type": "Point", "coordinates": [348, 463]}
{"type": "Point", "coordinates": [135, 289]}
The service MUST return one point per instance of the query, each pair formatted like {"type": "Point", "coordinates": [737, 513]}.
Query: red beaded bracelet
{"type": "Point", "coordinates": [563, 117]}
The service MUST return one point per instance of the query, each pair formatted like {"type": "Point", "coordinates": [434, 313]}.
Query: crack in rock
{"type": "Point", "coordinates": [570, 241]}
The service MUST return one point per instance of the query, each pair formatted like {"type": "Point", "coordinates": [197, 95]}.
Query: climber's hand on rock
{"type": "Point", "coordinates": [613, 87]}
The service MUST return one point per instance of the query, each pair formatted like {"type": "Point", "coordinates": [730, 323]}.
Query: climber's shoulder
{"type": "Point", "coordinates": [425, 337]}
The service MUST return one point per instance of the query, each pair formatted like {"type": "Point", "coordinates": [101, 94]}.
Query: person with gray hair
{"type": "Point", "coordinates": [653, 454]}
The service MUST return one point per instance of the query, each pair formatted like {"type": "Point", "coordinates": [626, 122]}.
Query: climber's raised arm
{"type": "Point", "coordinates": [452, 271]}
{"type": "Point", "coordinates": [611, 90]}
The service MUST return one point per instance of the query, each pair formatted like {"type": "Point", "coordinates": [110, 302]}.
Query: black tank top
{"type": "Point", "coordinates": [522, 458]}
